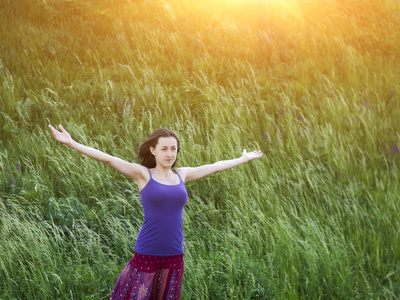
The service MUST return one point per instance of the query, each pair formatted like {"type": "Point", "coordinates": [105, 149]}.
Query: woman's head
{"type": "Point", "coordinates": [148, 150]}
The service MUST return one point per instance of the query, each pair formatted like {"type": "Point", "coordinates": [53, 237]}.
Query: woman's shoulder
{"type": "Point", "coordinates": [144, 177]}
{"type": "Point", "coordinates": [182, 172]}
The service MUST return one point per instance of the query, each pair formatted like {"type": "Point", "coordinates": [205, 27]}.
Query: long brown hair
{"type": "Point", "coordinates": [145, 157]}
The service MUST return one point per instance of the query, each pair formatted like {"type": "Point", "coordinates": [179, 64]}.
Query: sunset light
{"type": "Point", "coordinates": [199, 149]}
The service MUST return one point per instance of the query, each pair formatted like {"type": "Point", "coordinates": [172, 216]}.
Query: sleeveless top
{"type": "Point", "coordinates": [161, 233]}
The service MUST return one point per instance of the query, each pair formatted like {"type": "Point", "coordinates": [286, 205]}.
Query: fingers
{"type": "Point", "coordinates": [256, 153]}
{"type": "Point", "coordinates": [55, 130]}
{"type": "Point", "coordinates": [252, 155]}
{"type": "Point", "coordinates": [52, 129]}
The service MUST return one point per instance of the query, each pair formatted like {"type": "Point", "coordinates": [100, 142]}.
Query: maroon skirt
{"type": "Point", "coordinates": [150, 277]}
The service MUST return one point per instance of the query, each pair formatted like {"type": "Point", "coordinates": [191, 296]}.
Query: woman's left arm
{"type": "Point", "coordinates": [189, 174]}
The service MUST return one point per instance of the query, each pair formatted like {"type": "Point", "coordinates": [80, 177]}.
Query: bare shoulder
{"type": "Point", "coordinates": [193, 173]}
{"type": "Point", "coordinates": [142, 176]}
{"type": "Point", "coordinates": [142, 171]}
{"type": "Point", "coordinates": [134, 170]}
{"type": "Point", "coordinates": [182, 172]}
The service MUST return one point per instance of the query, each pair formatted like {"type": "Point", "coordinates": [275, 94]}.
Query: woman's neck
{"type": "Point", "coordinates": [165, 172]}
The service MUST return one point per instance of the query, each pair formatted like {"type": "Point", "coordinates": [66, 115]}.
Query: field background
{"type": "Point", "coordinates": [314, 84]}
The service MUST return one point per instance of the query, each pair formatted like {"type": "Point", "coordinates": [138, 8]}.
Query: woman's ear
{"type": "Point", "coordinates": [152, 150]}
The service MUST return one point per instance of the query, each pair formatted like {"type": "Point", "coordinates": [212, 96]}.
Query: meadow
{"type": "Point", "coordinates": [314, 84]}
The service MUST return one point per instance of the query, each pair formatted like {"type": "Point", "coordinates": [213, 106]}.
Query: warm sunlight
{"type": "Point", "coordinates": [312, 84]}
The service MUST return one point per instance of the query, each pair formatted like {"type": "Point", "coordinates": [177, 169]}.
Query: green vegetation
{"type": "Point", "coordinates": [313, 84]}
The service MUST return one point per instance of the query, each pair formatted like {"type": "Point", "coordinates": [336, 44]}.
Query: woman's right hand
{"type": "Point", "coordinates": [63, 136]}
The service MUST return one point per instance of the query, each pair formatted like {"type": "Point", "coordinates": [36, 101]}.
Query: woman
{"type": "Point", "coordinates": [156, 269]}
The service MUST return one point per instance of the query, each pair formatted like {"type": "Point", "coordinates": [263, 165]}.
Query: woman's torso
{"type": "Point", "coordinates": [161, 233]}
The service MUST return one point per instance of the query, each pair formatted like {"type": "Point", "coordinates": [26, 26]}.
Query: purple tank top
{"type": "Point", "coordinates": [161, 233]}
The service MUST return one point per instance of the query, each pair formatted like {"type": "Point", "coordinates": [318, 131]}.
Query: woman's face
{"type": "Point", "coordinates": [165, 151]}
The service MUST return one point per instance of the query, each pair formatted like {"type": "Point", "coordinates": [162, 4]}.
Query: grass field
{"type": "Point", "coordinates": [314, 84]}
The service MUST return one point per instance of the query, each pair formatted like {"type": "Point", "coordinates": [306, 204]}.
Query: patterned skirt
{"type": "Point", "coordinates": [150, 277]}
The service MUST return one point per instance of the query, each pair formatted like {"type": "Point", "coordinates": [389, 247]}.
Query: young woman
{"type": "Point", "coordinates": [156, 269]}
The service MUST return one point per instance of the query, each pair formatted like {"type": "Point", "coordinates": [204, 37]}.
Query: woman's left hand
{"type": "Point", "coordinates": [251, 155]}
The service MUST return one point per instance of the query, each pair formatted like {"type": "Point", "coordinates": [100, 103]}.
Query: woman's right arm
{"type": "Point", "coordinates": [136, 171]}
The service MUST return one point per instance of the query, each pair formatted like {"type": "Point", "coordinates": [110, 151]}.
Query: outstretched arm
{"type": "Point", "coordinates": [190, 174]}
{"type": "Point", "coordinates": [133, 170]}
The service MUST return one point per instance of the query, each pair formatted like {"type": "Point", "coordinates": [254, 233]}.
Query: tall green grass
{"type": "Point", "coordinates": [314, 85]}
